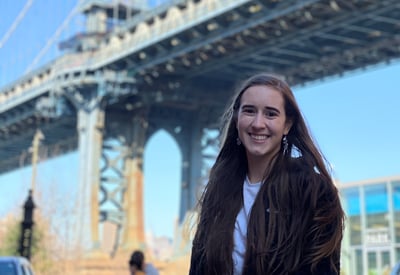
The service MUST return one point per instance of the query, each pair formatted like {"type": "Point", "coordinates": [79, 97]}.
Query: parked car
{"type": "Point", "coordinates": [14, 265]}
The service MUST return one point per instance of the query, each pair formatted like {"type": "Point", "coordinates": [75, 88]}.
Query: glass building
{"type": "Point", "coordinates": [371, 243]}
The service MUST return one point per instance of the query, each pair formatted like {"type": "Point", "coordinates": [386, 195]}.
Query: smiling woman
{"type": "Point", "coordinates": [261, 126]}
{"type": "Point", "coordinates": [270, 206]}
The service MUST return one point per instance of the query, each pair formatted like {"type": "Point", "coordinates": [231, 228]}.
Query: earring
{"type": "Point", "coordinates": [238, 141]}
{"type": "Point", "coordinates": [285, 144]}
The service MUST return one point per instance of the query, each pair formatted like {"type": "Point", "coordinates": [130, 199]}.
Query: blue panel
{"type": "Point", "coordinates": [352, 197]}
{"type": "Point", "coordinates": [396, 195]}
{"type": "Point", "coordinates": [376, 199]}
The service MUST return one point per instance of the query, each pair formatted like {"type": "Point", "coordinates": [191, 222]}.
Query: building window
{"type": "Point", "coordinates": [352, 209]}
{"type": "Point", "coordinates": [372, 263]}
{"type": "Point", "coordinates": [376, 204]}
{"type": "Point", "coordinates": [359, 262]}
{"type": "Point", "coordinates": [386, 261]}
{"type": "Point", "coordinates": [396, 209]}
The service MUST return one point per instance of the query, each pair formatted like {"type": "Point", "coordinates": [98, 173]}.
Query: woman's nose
{"type": "Point", "coordinates": [258, 121]}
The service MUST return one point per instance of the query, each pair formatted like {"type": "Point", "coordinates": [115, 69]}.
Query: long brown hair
{"type": "Point", "coordinates": [304, 224]}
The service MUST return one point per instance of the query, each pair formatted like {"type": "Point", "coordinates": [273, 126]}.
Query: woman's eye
{"type": "Point", "coordinates": [248, 110]}
{"type": "Point", "coordinates": [271, 114]}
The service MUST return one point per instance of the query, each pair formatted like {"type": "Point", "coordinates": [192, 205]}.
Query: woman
{"type": "Point", "coordinates": [270, 206]}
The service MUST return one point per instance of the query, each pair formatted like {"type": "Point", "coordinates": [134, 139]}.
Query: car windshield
{"type": "Point", "coordinates": [7, 268]}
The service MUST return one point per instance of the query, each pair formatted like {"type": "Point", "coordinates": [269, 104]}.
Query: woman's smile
{"type": "Point", "coordinates": [258, 137]}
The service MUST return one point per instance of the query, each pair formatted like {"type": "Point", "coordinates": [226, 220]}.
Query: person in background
{"type": "Point", "coordinates": [138, 266]}
{"type": "Point", "coordinates": [270, 205]}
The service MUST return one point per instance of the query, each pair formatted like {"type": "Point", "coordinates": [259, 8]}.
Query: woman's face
{"type": "Point", "coordinates": [262, 122]}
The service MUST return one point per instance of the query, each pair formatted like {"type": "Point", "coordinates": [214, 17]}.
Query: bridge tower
{"type": "Point", "coordinates": [111, 148]}
{"type": "Point", "coordinates": [114, 122]}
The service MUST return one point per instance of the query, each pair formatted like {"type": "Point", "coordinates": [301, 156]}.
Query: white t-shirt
{"type": "Point", "coordinates": [250, 191]}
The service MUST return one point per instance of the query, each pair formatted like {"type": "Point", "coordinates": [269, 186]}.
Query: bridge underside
{"type": "Point", "coordinates": [302, 40]}
{"type": "Point", "coordinates": [197, 67]}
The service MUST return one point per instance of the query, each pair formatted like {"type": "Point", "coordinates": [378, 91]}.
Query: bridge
{"type": "Point", "coordinates": [174, 67]}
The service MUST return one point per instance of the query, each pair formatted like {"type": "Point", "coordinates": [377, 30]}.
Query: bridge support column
{"type": "Point", "coordinates": [90, 129]}
{"type": "Point", "coordinates": [190, 141]}
{"type": "Point", "coordinates": [199, 146]}
{"type": "Point", "coordinates": [134, 235]}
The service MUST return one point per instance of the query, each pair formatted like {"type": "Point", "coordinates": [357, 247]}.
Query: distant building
{"type": "Point", "coordinates": [159, 247]}
{"type": "Point", "coordinates": [371, 244]}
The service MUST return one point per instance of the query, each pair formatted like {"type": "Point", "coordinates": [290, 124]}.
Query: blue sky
{"type": "Point", "coordinates": [355, 120]}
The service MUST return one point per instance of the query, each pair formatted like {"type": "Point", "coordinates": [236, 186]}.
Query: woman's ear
{"type": "Point", "coordinates": [288, 126]}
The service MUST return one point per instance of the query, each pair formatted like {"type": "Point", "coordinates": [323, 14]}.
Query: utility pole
{"type": "Point", "coordinates": [25, 240]}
